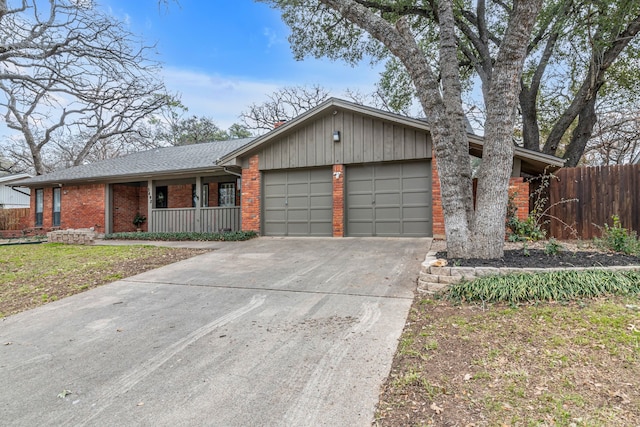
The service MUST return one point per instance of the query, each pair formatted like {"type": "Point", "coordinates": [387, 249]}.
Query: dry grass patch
{"type": "Point", "coordinates": [32, 275]}
{"type": "Point", "coordinates": [548, 364]}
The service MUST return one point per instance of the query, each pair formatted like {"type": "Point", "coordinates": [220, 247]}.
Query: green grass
{"type": "Point", "coordinates": [31, 275]}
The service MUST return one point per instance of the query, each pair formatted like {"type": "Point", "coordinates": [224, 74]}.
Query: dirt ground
{"type": "Point", "coordinates": [546, 364]}
{"type": "Point", "coordinates": [538, 255]}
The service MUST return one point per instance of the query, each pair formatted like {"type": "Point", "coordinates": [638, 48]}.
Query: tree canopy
{"type": "Point", "coordinates": [71, 78]}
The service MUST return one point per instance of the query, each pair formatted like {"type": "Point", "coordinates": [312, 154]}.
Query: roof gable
{"type": "Point", "coordinates": [532, 162]}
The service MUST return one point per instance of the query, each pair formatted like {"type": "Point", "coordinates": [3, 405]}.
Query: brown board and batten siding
{"type": "Point", "coordinates": [601, 192]}
{"type": "Point", "coordinates": [363, 139]}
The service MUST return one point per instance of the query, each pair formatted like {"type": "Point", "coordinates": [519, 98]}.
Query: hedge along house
{"type": "Point", "coordinates": [176, 189]}
{"type": "Point", "coordinates": [343, 169]}
{"type": "Point", "coordinates": [340, 169]}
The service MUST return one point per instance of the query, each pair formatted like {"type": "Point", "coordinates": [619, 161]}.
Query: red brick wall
{"type": "Point", "coordinates": [436, 201]}
{"type": "Point", "coordinates": [521, 200]}
{"type": "Point", "coordinates": [82, 206]}
{"type": "Point", "coordinates": [180, 196]}
{"type": "Point", "coordinates": [338, 200]}
{"type": "Point", "coordinates": [213, 194]}
{"type": "Point", "coordinates": [250, 200]}
{"type": "Point", "coordinates": [127, 202]}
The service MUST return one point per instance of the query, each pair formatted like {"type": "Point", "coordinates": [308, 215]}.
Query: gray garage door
{"type": "Point", "coordinates": [389, 200]}
{"type": "Point", "coordinates": [298, 203]}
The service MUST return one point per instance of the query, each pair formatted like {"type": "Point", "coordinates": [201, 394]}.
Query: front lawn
{"type": "Point", "coordinates": [541, 364]}
{"type": "Point", "coordinates": [32, 275]}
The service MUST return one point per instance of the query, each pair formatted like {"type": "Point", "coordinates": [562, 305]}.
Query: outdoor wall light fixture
{"type": "Point", "coordinates": [336, 136]}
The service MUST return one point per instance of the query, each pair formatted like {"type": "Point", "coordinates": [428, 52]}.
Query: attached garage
{"type": "Point", "coordinates": [297, 202]}
{"type": "Point", "coordinates": [388, 199]}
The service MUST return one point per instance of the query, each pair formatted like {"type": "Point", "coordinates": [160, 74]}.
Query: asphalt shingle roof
{"type": "Point", "coordinates": [157, 161]}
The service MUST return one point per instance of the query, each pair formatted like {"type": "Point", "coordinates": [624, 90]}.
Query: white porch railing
{"type": "Point", "coordinates": [210, 220]}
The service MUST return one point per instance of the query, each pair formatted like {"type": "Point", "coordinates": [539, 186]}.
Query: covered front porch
{"type": "Point", "coordinates": [202, 204]}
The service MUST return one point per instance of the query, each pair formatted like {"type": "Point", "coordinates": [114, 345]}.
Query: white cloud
{"type": "Point", "coordinates": [272, 37]}
{"type": "Point", "coordinates": [222, 98]}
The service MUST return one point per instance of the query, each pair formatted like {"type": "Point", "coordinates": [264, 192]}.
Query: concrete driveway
{"type": "Point", "coordinates": [290, 332]}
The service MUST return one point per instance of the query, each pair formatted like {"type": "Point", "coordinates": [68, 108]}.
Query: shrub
{"type": "Point", "coordinates": [552, 247]}
{"type": "Point", "coordinates": [183, 236]}
{"type": "Point", "coordinates": [618, 239]}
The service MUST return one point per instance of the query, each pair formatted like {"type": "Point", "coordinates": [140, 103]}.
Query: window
{"type": "Point", "coordinates": [227, 194]}
{"type": "Point", "coordinates": [39, 206]}
{"type": "Point", "coordinates": [56, 207]}
{"type": "Point", "coordinates": [162, 197]}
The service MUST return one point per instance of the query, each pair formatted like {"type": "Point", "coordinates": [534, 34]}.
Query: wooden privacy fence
{"type": "Point", "coordinates": [602, 191]}
{"type": "Point", "coordinates": [13, 219]}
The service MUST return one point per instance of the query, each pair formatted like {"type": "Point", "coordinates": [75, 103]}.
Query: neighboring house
{"type": "Point", "coordinates": [10, 197]}
{"type": "Point", "coordinates": [340, 169]}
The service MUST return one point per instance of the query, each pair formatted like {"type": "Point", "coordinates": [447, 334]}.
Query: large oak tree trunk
{"type": "Point", "coordinates": [469, 234]}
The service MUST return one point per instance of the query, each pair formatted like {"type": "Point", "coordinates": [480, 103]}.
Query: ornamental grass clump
{"type": "Point", "coordinates": [552, 286]}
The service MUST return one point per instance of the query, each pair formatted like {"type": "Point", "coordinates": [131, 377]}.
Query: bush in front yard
{"type": "Point", "coordinates": [227, 237]}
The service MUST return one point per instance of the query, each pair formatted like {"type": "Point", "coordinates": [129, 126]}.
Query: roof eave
{"type": "Point", "coordinates": [121, 178]}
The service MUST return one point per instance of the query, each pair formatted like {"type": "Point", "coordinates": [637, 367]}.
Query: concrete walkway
{"type": "Point", "coordinates": [289, 332]}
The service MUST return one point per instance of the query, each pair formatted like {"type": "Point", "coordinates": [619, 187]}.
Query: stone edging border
{"type": "Point", "coordinates": [433, 279]}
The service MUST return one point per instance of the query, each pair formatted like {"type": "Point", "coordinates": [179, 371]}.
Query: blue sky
{"type": "Point", "coordinates": [222, 56]}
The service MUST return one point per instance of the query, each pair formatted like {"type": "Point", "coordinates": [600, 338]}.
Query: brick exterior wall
{"type": "Point", "coordinates": [521, 188]}
{"type": "Point", "coordinates": [213, 194]}
{"type": "Point", "coordinates": [180, 196]}
{"type": "Point", "coordinates": [250, 200]}
{"type": "Point", "coordinates": [338, 200]}
{"type": "Point", "coordinates": [81, 206]}
{"type": "Point", "coordinates": [516, 185]}
{"type": "Point", "coordinates": [127, 202]}
{"type": "Point", "coordinates": [436, 202]}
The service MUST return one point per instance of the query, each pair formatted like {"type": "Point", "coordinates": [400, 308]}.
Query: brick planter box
{"type": "Point", "coordinates": [72, 237]}
{"type": "Point", "coordinates": [434, 279]}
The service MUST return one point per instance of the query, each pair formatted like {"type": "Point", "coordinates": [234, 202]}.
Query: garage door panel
{"type": "Point", "coordinates": [413, 228]}
{"type": "Point", "coordinates": [321, 215]}
{"type": "Point", "coordinates": [321, 229]}
{"type": "Point", "coordinates": [298, 202]}
{"type": "Point", "coordinates": [321, 202]}
{"type": "Point", "coordinates": [416, 198]}
{"type": "Point", "coordinates": [321, 188]}
{"type": "Point", "coordinates": [386, 199]}
{"type": "Point", "coordinates": [414, 213]}
{"type": "Point", "coordinates": [275, 214]}
{"type": "Point", "coordinates": [415, 183]}
{"type": "Point", "coordinates": [389, 170]}
{"type": "Point", "coordinates": [388, 229]}
{"type": "Point", "coordinates": [361, 228]}
{"type": "Point", "coordinates": [387, 184]}
{"type": "Point", "coordinates": [389, 199]}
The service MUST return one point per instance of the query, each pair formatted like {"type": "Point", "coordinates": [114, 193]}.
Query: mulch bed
{"type": "Point", "coordinates": [536, 258]}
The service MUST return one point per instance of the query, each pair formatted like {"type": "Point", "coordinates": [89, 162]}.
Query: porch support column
{"type": "Point", "coordinates": [198, 204]}
{"type": "Point", "coordinates": [150, 197]}
{"type": "Point", "coordinates": [108, 209]}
